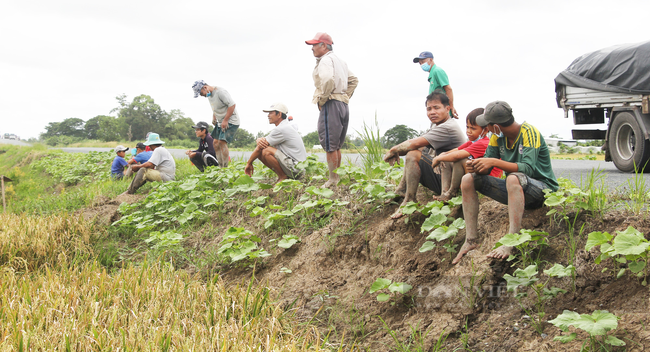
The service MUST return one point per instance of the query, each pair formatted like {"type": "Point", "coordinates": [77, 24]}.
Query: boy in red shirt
{"type": "Point", "coordinates": [452, 163]}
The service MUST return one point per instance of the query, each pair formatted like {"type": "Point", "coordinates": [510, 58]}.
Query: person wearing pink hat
{"type": "Point", "coordinates": [335, 85]}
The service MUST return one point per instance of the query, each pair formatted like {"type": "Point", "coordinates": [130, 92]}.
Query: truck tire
{"type": "Point", "coordinates": [627, 145]}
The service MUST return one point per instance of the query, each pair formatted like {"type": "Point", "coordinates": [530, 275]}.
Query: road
{"type": "Point", "coordinates": [574, 170]}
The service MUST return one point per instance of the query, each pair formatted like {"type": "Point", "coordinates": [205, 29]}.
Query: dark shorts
{"type": "Point", "coordinates": [496, 189]}
{"type": "Point", "coordinates": [333, 125]}
{"type": "Point", "coordinates": [227, 135]}
{"type": "Point", "coordinates": [117, 176]}
{"type": "Point", "coordinates": [428, 178]}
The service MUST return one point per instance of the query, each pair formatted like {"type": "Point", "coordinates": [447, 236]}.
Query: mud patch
{"type": "Point", "coordinates": [104, 210]}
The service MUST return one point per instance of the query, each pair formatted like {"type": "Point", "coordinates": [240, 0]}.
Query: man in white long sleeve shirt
{"type": "Point", "coordinates": [335, 85]}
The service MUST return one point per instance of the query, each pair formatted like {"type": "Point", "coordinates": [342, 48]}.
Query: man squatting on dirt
{"type": "Point", "coordinates": [335, 85]}
{"type": "Point", "coordinates": [161, 160]}
{"type": "Point", "coordinates": [445, 135]}
{"type": "Point", "coordinates": [282, 149]}
{"type": "Point", "coordinates": [520, 151]}
{"type": "Point", "coordinates": [205, 155]}
{"type": "Point", "coordinates": [224, 118]}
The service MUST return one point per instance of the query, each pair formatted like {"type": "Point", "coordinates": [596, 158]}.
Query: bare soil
{"type": "Point", "coordinates": [334, 266]}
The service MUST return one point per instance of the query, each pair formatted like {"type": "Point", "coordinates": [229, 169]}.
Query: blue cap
{"type": "Point", "coordinates": [423, 55]}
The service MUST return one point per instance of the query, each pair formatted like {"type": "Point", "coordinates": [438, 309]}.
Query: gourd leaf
{"type": "Point", "coordinates": [400, 287]}
{"type": "Point", "coordinates": [379, 284]}
{"type": "Point", "coordinates": [427, 246]}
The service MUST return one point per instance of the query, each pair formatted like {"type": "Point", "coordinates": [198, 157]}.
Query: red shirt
{"type": "Point", "coordinates": [477, 150]}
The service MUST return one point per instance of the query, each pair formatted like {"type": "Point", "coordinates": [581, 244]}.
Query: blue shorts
{"type": "Point", "coordinates": [227, 135]}
{"type": "Point", "coordinates": [496, 189]}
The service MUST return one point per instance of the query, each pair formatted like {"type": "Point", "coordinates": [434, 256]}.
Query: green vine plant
{"type": "Point", "coordinates": [628, 247]}
{"type": "Point", "coordinates": [395, 289]}
{"type": "Point", "coordinates": [596, 325]}
{"type": "Point", "coordinates": [527, 242]}
{"type": "Point", "coordinates": [527, 278]}
{"type": "Point", "coordinates": [240, 245]}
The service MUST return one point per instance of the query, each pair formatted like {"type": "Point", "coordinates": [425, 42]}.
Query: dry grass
{"type": "Point", "coordinates": [142, 308]}
{"type": "Point", "coordinates": [29, 242]}
{"type": "Point", "coordinates": [53, 296]}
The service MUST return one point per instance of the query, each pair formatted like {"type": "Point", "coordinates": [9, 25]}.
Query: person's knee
{"type": "Point", "coordinates": [467, 182]}
{"type": "Point", "coordinates": [413, 156]}
{"type": "Point", "coordinates": [512, 183]}
{"type": "Point", "coordinates": [267, 153]}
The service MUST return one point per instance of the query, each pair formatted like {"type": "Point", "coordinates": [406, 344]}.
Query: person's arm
{"type": "Point", "coordinates": [401, 149]}
{"type": "Point", "coordinates": [147, 165]}
{"type": "Point", "coordinates": [353, 82]}
{"type": "Point", "coordinates": [262, 143]}
{"type": "Point", "coordinates": [326, 74]}
{"type": "Point", "coordinates": [229, 112]}
{"type": "Point", "coordinates": [249, 165]}
{"type": "Point", "coordinates": [450, 95]}
{"type": "Point", "coordinates": [452, 155]}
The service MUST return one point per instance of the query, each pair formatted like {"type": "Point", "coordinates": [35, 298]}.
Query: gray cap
{"type": "Point", "coordinates": [121, 148]}
{"type": "Point", "coordinates": [495, 112]}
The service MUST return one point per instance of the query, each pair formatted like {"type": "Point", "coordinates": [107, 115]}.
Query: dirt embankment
{"type": "Point", "coordinates": [333, 268]}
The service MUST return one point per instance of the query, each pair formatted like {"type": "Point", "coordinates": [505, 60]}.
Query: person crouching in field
{"type": "Point", "coordinates": [117, 168]}
{"type": "Point", "coordinates": [160, 167]}
{"type": "Point", "coordinates": [205, 155]}
{"type": "Point", "coordinates": [443, 136]}
{"type": "Point", "coordinates": [141, 157]}
{"type": "Point", "coordinates": [282, 149]}
{"type": "Point", "coordinates": [520, 151]}
{"type": "Point", "coordinates": [452, 163]}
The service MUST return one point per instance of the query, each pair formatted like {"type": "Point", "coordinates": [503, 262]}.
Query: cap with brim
{"type": "Point", "coordinates": [423, 55]}
{"type": "Point", "coordinates": [201, 124]}
{"type": "Point", "coordinates": [495, 112]}
{"type": "Point", "coordinates": [121, 148]}
{"type": "Point", "coordinates": [140, 145]}
{"type": "Point", "coordinates": [320, 37]}
{"type": "Point", "coordinates": [278, 107]}
{"type": "Point", "coordinates": [154, 139]}
{"type": "Point", "coordinates": [196, 87]}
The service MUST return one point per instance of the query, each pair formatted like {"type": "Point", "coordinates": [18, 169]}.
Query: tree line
{"type": "Point", "coordinates": [135, 119]}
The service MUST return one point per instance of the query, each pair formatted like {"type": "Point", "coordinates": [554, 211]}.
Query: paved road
{"type": "Point", "coordinates": [11, 141]}
{"type": "Point", "coordinates": [571, 169]}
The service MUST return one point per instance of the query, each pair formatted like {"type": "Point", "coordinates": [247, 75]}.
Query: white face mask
{"type": "Point", "coordinates": [500, 134]}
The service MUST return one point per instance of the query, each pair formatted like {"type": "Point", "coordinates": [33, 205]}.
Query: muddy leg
{"type": "Point", "coordinates": [222, 152]}
{"type": "Point", "coordinates": [138, 181]}
{"type": "Point", "coordinates": [333, 163]}
{"type": "Point", "coordinates": [470, 212]}
{"type": "Point", "coordinates": [457, 173]}
{"type": "Point", "coordinates": [516, 203]}
{"type": "Point", "coordinates": [412, 174]}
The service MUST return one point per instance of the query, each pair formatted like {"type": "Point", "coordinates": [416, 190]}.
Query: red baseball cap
{"type": "Point", "coordinates": [320, 37]}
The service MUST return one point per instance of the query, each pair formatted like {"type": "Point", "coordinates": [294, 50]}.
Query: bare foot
{"type": "Point", "coordinates": [396, 199]}
{"type": "Point", "coordinates": [397, 214]}
{"type": "Point", "coordinates": [329, 183]}
{"type": "Point", "coordinates": [501, 253]}
{"type": "Point", "coordinates": [469, 245]}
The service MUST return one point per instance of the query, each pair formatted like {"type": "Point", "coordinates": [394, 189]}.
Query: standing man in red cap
{"type": "Point", "coordinates": [334, 87]}
{"type": "Point", "coordinates": [437, 78]}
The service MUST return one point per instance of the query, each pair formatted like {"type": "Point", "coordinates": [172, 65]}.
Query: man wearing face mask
{"type": "Point", "coordinates": [520, 151]}
{"type": "Point", "coordinates": [334, 87]}
{"type": "Point", "coordinates": [224, 118]}
{"type": "Point", "coordinates": [437, 78]}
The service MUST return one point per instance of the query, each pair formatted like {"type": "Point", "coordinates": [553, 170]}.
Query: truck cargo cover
{"type": "Point", "coordinates": [619, 69]}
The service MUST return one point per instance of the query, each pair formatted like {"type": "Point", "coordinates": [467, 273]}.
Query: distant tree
{"type": "Point", "coordinates": [242, 139]}
{"type": "Point", "coordinates": [311, 139]}
{"type": "Point", "coordinates": [397, 135]}
{"type": "Point", "coordinates": [260, 134]}
{"type": "Point", "coordinates": [71, 127]}
{"type": "Point", "coordinates": [178, 126]}
{"type": "Point", "coordinates": [142, 115]}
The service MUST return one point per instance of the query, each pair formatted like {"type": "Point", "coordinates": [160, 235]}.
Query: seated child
{"type": "Point", "coordinates": [453, 162]}
{"type": "Point", "coordinates": [117, 169]}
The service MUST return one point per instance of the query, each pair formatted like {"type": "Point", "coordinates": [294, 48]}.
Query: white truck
{"type": "Point", "coordinates": [611, 84]}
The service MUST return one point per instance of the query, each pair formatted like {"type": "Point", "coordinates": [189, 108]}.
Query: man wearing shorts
{"type": "Point", "coordinates": [334, 87]}
{"type": "Point", "coordinates": [161, 166]}
{"type": "Point", "coordinates": [224, 118]}
{"type": "Point", "coordinates": [282, 149]}
{"type": "Point", "coordinates": [520, 151]}
{"type": "Point", "coordinates": [444, 135]}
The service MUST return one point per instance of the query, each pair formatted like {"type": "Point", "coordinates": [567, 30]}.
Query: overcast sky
{"type": "Point", "coordinates": [61, 59]}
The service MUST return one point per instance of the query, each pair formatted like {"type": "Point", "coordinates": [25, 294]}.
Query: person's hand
{"type": "Point", "coordinates": [224, 125]}
{"type": "Point", "coordinates": [454, 114]}
{"type": "Point", "coordinates": [249, 169]}
{"type": "Point", "coordinates": [187, 152]}
{"type": "Point", "coordinates": [391, 157]}
{"type": "Point", "coordinates": [262, 143]}
{"type": "Point", "coordinates": [435, 162]}
{"type": "Point", "coordinates": [482, 165]}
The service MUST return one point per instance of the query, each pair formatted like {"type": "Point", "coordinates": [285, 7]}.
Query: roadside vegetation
{"type": "Point", "coordinates": [223, 261]}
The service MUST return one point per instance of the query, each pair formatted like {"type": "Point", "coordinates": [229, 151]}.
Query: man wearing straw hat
{"type": "Point", "coordinates": [161, 166]}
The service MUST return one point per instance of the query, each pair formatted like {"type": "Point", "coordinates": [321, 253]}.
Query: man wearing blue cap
{"type": "Point", "coordinates": [161, 166]}
{"type": "Point", "coordinates": [437, 78]}
{"type": "Point", "coordinates": [224, 118]}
